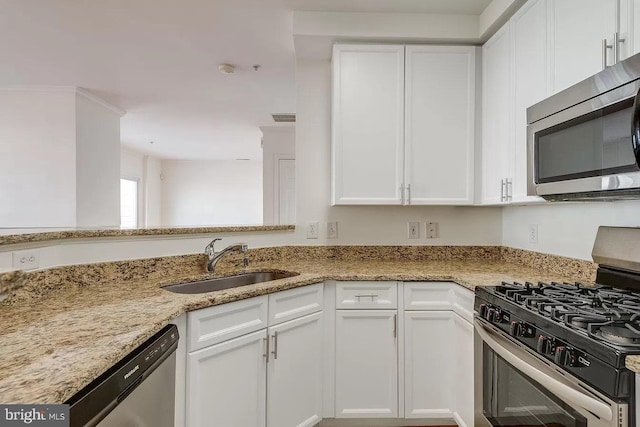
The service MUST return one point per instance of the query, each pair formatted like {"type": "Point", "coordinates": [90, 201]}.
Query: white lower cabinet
{"type": "Point", "coordinates": [271, 377]}
{"type": "Point", "coordinates": [463, 371]}
{"type": "Point", "coordinates": [366, 364]}
{"type": "Point", "coordinates": [227, 383]}
{"type": "Point", "coordinates": [294, 373]}
{"type": "Point", "coordinates": [428, 367]}
{"type": "Point", "coordinates": [412, 357]}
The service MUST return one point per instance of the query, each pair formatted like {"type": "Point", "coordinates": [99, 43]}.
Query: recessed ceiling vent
{"type": "Point", "coordinates": [284, 118]}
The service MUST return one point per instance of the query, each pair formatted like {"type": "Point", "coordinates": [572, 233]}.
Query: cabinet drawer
{"type": "Point", "coordinates": [220, 323]}
{"type": "Point", "coordinates": [293, 303]}
{"type": "Point", "coordinates": [428, 295]}
{"type": "Point", "coordinates": [366, 295]}
{"type": "Point", "coordinates": [463, 302]}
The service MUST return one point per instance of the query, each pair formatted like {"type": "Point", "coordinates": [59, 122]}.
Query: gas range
{"type": "Point", "coordinates": [587, 331]}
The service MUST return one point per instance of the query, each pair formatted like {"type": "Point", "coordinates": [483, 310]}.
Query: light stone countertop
{"type": "Point", "coordinates": [53, 344]}
{"type": "Point", "coordinates": [46, 235]}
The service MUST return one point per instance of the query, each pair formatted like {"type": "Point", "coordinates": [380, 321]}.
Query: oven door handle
{"type": "Point", "coordinates": [561, 390]}
{"type": "Point", "coordinates": [635, 128]}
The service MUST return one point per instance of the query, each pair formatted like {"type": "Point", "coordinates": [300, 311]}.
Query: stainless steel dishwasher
{"type": "Point", "coordinates": [138, 391]}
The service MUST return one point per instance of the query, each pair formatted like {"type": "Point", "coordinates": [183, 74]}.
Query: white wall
{"type": "Point", "coordinates": [567, 229]}
{"type": "Point", "coordinates": [97, 164]}
{"type": "Point", "coordinates": [37, 159]}
{"type": "Point", "coordinates": [277, 142]}
{"type": "Point", "coordinates": [199, 192]}
{"type": "Point", "coordinates": [153, 191]}
{"type": "Point", "coordinates": [132, 167]}
{"type": "Point", "coordinates": [381, 225]}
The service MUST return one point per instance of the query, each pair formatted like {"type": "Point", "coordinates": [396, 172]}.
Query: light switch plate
{"type": "Point", "coordinates": [432, 230]}
{"type": "Point", "coordinates": [332, 230]}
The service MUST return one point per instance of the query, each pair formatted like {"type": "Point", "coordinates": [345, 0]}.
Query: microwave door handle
{"type": "Point", "coordinates": [561, 390]}
{"type": "Point", "coordinates": [635, 128]}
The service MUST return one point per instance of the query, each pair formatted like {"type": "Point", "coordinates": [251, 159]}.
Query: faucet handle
{"type": "Point", "coordinates": [210, 248]}
{"type": "Point", "coordinates": [245, 247]}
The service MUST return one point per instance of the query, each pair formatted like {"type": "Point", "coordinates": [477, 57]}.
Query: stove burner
{"type": "Point", "coordinates": [580, 321]}
{"type": "Point", "coordinates": [619, 335]}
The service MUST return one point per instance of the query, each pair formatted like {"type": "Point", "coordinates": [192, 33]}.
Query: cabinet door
{"type": "Point", "coordinates": [496, 116]}
{"type": "Point", "coordinates": [439, 124]}
{"type": "Point", "coordinates": [368, 124]}
{"type": "Point", "coordinates": [463, 372]}
{"type": "Point", "coordinates": [428, 367]}
{"type": "Point", "coordinates": [366, 364]}
{"type": "Point", "coordinates": [531, 72]}
{"type": "Point", "coordinates": [226, 383]}
{"type": "Point", "coordinates": [579, 28]}
{"type": "Point", "coordinates": [294, 396]}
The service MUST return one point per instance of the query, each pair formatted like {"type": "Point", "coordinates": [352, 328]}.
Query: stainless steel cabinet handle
{"type": "Point", "coordinates": [402, 192]}
{"type": "Point", "coordinates": [605, 46]}
{"type": "Point", "coordinates": [395, 325]}
{"type": "Point", "coordinates": [616, 46]}
{"type": "Point", "coordinates": [275, 345]}
{"type": "Point", "coordinates": [509, 189]}
{"type": "Point", "coordinates": [266, 347]}
{"type": "Point", "coordinates": [502, 188]}
{"type": "Point", "coordinates": [372, 296]}
{"type": "Point", "coordinates": [408, 194]}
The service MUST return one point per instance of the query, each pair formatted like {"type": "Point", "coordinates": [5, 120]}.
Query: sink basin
{"type": "Point", "coordinates": [220, 283]}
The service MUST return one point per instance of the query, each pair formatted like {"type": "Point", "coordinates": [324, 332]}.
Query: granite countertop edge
{"type": "Point", "coordinates": [12, 239]}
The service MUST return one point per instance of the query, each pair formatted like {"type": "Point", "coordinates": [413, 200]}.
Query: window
{"type": "Point", "coordinates": [128, 203]}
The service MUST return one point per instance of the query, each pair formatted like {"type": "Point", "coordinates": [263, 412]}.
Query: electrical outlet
{"type": "Point", "coordinates": [533, 233]}
{"type": "Point", "coordinates": [332, 230]}
{"type": "Point", "coordinates": [432, 230]}
{"type": "Point", "coordinates": [413, 230]}
{"type": "Point", "coordinates": [25, 260]}
{"type": "Point", "coordinates": [312, 229]}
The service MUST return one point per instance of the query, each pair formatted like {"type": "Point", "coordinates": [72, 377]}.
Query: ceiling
{"type": "Point", "coordinates": [158, 60]}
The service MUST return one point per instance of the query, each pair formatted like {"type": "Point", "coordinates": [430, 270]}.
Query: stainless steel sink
{"type": "Point", "coordinates": [220, 283]}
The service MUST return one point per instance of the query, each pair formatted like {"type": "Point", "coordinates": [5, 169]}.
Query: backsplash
{"type": "Point", "coordinates": [20, 286]}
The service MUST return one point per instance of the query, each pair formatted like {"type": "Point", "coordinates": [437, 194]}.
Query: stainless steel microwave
{"type": "Point", "coordinates": [584, 143]}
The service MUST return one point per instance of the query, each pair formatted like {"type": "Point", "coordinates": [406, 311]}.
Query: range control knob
{"type": "Point", "coordinates": [565, 356]}
{"type": "Point", "coordinates": [494, 315]}
{"type": "Point", "coordinates": [482, 310]}
{"type": "Point", "coordinates": [545, 345]}
{"type": "Point", "coordinates": [517, 329]}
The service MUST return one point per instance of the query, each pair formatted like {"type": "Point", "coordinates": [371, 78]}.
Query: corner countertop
{"type": "Point", "coordinates": [52, 345]}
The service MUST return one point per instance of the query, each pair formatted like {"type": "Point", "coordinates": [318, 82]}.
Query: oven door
{"type": "Point", "coordinates": [513, 387]}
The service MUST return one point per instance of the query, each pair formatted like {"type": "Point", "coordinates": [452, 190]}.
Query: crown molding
{"type": "Point", "coordinates": [91, 97]}
{"type": "Point", "coordinates": [78, 91]}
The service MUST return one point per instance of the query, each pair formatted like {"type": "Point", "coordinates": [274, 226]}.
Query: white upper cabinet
{"type": "Point", "coordinates": [439, 124]}
{"type": "Point", "coordinates": [531, 83]}
{"type": "Point", "coordinates": [403, 128]}
{"type": "Point", "coordinates": [579, 29]}
{"type": "Point", "coordinates": [496, 118]}
{"type": "Point", "coordinates": [368, 124]}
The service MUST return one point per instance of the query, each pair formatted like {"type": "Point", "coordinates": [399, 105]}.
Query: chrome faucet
{"type": "Point", "coordinates": [214, 256]}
